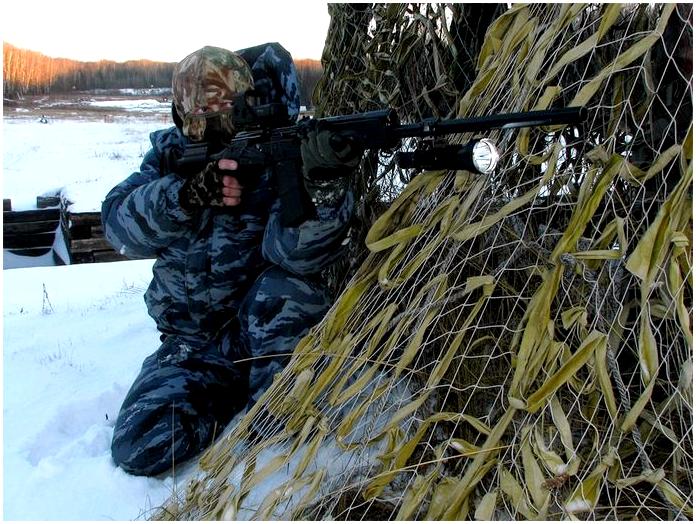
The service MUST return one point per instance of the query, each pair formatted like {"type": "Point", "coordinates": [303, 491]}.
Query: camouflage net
{"type": "Point", "coordinates": [512, 346]}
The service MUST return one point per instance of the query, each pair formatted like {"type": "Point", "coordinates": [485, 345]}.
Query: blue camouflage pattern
{"type": "Point", "coordinates": [182, 397]}
{"type": "Point", "coordinates": [275, 74]}
{"type": "Point", "coordinates": [186, 393]}
{"type": "Point", "coordinates": [207, 260]}
{"type": "Point", "coordinates": [214, 269]}
{"type": "Point", "coordinates": [232, 293]}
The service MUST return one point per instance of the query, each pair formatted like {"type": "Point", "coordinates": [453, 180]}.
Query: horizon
{"type": "Point", "coordinates": [59, 33]}
{"type": "Point", "coordinates": [116, 61]}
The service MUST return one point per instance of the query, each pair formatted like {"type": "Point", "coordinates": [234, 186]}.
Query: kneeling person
{"type": "Point", "coordinates": [233, 289]}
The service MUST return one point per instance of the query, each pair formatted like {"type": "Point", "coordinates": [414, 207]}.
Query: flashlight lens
{"type": "Point", "coordinates": [485, 156]}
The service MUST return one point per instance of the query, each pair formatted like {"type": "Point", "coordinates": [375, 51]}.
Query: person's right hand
{"type": "Point", "coordinates": [212, 187]}
{"type": "Point", "coordinates": [231, 188]}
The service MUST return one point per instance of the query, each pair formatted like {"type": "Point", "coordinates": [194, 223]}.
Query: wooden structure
{"type": "Point", "coordinates": [31, 233]}
{"type": "Point", "coordinates": [87, 242]}
{"type": "Point", "coordinates": [34, 232]}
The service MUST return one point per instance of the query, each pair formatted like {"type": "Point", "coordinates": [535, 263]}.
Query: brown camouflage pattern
{"type": "Point", "coordinates": [203, 83]}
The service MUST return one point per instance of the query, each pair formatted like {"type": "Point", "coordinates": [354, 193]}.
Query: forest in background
{"type": "Point", "coordinates": [27, 72]}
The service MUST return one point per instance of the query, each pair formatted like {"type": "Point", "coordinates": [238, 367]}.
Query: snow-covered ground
{"type": "Point", "coordinates": [73, 341]}
{"type": "Point", "coordinates": [73, 336]}
{"type": "Point", "coordinates": [82, 157]}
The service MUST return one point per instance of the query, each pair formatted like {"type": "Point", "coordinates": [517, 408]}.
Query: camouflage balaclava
{"type": "Point", "coordinates": [202, 84]}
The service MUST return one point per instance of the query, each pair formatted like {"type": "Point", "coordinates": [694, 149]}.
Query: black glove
{"type": "Point", "coordinates": [327, 161]}
{"type": "Point", "coordinates": [327, 155]}
{"type": "Point", "coordinates": [203, 189]}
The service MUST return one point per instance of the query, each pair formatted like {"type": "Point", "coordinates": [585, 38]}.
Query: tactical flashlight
{"type": "Point", "coordinates": [478, 156]}
{"type": "Point", "coordinates": [484, 156]}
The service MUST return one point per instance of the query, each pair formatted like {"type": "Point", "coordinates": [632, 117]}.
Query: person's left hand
{"type": "Point", "coordinates": [325, 154]}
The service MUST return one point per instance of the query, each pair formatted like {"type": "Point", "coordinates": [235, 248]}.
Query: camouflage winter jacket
{"type": "Point", "coordinates": [207, 260]}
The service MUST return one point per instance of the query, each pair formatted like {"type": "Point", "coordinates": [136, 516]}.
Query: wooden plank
{"type": "Point", "coordinates": [108, 256]}
{"type": "Point", "coordinates": [82, 258]}
{"type": "Point", "coordinates": [90, 244]}
{"type": "Point", "coordinates": [85, 219]}
{"type": "Point", "coordinates": [33, 215]}
{"type": "Point", "coordinates": [44, 226]}
{"type": "Point", "coordinates": [22, 241]}
{"type": "Point", "coordinates": [81, 232]}
{"type": "Point", "coordinates": [6, 204]}
{"type": "Point", "coordinates": [43, 202]}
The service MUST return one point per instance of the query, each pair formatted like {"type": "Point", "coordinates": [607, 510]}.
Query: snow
{"type": "Point", "coordinates": [83, 159]}
{"type": "Point", "coordinates": [74, 337]}
{"type": "Point", "coordinates": [133, 105]}
{"type": "Point", "coordinates": [73, 341]}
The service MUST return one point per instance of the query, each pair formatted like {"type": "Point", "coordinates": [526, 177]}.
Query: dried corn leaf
{"type": "Point", "coordinates": [609, 18]}
{"type": "Point", "coordinates": [442, 494]}
{"type": "Point", "coordinates": [533, 476]}
{"type": "Point", "coordinates": [585, 496]}
{"type": "Point", "coordinates": [635, 52]}
{"type": "Point", "coordinates": [415, 496]}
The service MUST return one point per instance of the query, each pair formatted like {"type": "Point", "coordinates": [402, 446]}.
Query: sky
{"type": "Point", "coordinates": [162, 31]}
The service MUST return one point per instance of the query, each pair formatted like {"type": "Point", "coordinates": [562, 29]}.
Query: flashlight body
{"type": "Point", "coordinates": [440, 157]}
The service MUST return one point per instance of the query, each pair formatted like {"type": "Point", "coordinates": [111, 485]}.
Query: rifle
{"type": "Point", "coordinates": [261, 145]}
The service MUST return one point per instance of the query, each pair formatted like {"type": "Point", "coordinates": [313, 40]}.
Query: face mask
{"type": "Point", "coordinates": [209, 127]}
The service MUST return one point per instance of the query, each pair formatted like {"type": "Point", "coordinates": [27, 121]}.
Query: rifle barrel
{"type": "Point", "coordinates": [437, 127]}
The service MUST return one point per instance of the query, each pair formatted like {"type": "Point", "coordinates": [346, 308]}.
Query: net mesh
{"type": "Point", "coordinates": [510, 346]}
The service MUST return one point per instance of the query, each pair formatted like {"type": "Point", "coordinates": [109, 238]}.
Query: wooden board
{"type": "Point", "coordinates": [85, 219]}
{"type": "Point", "coordinates": [108, 256]}
{"type": "Point", "coordinates": [32, 233]}
{"type": "Point", "coordinates": [47, 201]}
{"type": "Point", "coordinates": [28, 228]}
{"type": "Point", "coordinates": [90, 244]}
{"type": "Point", "coordinates": [22, 241]}
{"type": "Point", "coordinates": [33, 215]}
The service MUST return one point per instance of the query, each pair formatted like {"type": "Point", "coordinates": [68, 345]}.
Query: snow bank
{"type": "Point", "coordinates": [74, 338]}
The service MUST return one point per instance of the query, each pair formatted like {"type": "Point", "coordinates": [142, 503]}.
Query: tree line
{"type": "Point", "coordinates": [27, 72]}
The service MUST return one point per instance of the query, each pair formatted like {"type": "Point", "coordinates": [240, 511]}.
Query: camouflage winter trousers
{"type": "Point", "coordinates": [186, 394]}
